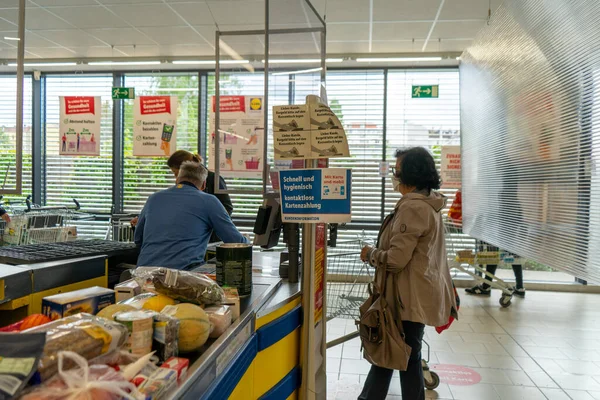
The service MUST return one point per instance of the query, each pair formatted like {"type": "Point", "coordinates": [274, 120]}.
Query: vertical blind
{"type": "Point", "coordinates": [8, 101]}
{"type": "Point", "coordinates": [87, 179]}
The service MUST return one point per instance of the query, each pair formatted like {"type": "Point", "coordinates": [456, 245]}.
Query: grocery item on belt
{"type": "Point", "coordinates": [165, 341]}
{"type": "Point", "coordinates": [183, 286]}
{"type": "Point", "coordinates": [178, 364]}
{"type": "Point", "coordinates": [158, 302]}
{"type": "Point", "coordinates": [159, 384]}
{"type": "Point", "coordinates": [126, 290]}
{"type": "Point", "coordinates": [19, 357]}
{"type": "Point", "coordinates": [97, 382]}
{"type": "Point", "coordinates": [232, 299]}
{"type": "Point", "coordinates": [139, 300]}
{"type": "Point", "coordinates": [139, 323]}
{"type": "Point", "coordinates": [110, 311]}
{"type": "Point", "coordinates": [26, 323]}
{"type": "Point", "coordinates": [220, 318]}
{"type": "Point", "coordinates": [194, 326]}
{"type": "Point", "coordinates": [90, 301]}
{"type": "Point", "coordinates": [234, 267]}
{"type": "Point", "coordinates": [83, 334]}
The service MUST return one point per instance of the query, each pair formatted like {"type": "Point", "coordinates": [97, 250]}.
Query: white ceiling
{"type": "Point", "coordinates": [173, 28]}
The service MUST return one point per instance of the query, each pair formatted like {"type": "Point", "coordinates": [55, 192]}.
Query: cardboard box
{"type": "Point", "coordinates": [127, 290]}
{"type": "Point", "coordinates": [89, 301]}
{"type": "Point", "coordinates": [180, 365]}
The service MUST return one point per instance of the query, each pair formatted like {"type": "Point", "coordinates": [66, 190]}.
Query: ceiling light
{"type": "Point", "coordinates": [124, 63]}
{"type": "Point", "coordinates": [398, 59]}
{"type": "Point", "coordinates": [304, 71]}
{"type": "Point", "coordinates": [303, 60]}
{"type": "Point", "coordinates": [46, 64]}
{"type": "Point", "coordinates": [210, 62]}
{"type": "Point", "coordinates": [16, 39]}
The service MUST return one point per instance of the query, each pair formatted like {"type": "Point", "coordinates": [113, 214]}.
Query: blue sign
{"type": "Point", "coordinates": [316, 195]}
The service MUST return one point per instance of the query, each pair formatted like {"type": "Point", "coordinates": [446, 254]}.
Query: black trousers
{"type": "Point", "coordinates": [379, 379]}
{"type": "Point", "coordinates": [517, 269]}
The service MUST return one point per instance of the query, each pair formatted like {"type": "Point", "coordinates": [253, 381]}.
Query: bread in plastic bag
{"type": "Point", "coordinates": [84, 334]}
{"type": "Point", "coordinates": [19, 357]}
{"type": "Point", "coordinates": [83, 382]}
{"type": "Point", "coordinates": [185, 286]}
{"type": "Point", "coordinates": [139, 300]}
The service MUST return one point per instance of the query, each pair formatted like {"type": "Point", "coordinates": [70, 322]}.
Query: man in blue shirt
{"type": "Point", "coordinates": [175, 225]}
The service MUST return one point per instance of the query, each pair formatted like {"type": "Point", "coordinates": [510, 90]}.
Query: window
{"type": "Point", "coordinates": [246, 205]}
{"type": "Point", "coordinates": [430, 123]}
{"type": "Point", "coordinates": [87, 179]}
{"type": "Point", "coordinates": [8, 101]}
{"type": "Point", "coordinates": [146, 175]}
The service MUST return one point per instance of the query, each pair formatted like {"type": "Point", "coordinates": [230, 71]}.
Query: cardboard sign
{"type": "Point", "coordinates": [308, 131]}
{"type": "Point", "coordinates": [80, 125]}
{"type": "Point", "coordinates": [316, 195]}
{"type": "Point", "coordinates": [154, 126]}
{"type": "Point", "coordinates": [242, 136]}
{"type": "Point", "coordinates": [451, 167]}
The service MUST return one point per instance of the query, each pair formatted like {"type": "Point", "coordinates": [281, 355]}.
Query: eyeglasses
{"type": "Point", "coordinates": [393, 169]}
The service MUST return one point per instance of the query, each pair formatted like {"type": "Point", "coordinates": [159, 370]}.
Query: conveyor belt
{"type": "Point", "coordinates": [35, 253]}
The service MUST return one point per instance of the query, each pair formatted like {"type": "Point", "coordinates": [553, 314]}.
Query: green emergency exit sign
{"type": "Point", "coordinates": [121, 93]}
{"type": "Point", "coordinates": [425, 91]}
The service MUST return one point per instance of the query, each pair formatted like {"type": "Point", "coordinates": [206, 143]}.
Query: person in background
{"type": "Point", "coordinates": [411, 250]}
{"type": "Point", "coordinates": [485, 290]}
{"type": "Point", "coordinates": [174, 162]}
{"type": "Point", "coordinates": [4, 215]}
{"type": "Point", "coordinates": [175, 225]}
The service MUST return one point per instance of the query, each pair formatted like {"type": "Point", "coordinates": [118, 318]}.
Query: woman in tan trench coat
{"type": "Point", "coordinates": [412, 241]}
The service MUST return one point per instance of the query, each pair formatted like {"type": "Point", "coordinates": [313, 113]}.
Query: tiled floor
{"type": "Point", "coordinates": [546, 346]}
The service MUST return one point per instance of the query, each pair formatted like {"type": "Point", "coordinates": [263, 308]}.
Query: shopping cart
{"type": "Point", "coordinates": [348, 279]}
{"type": "Point", "coordinates": [35, 224]}
{"type": "Point", "coordinates": [469, 261]}
{"type": "Point", "coordinates": [120, 228]}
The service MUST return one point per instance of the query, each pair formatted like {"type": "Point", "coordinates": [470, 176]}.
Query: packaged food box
{"type": "Point", "coordinates": [88, 301]}
{"type": "Point", "coordinates": [159, 384]}
{"type": "Point", "coordinates": [127, 290]}
{"type": "Point", "coordinates": [178, 364]}
{"type": "Point", "coordinates": [232, 299]}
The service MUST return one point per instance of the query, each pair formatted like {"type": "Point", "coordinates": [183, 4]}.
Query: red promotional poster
{"type": "Point", "coordinates": [230, 104]}
{"type": "Point", "coordinates": [155, 105]}
{"type": "Point", "coordinates": [79, 105]}
{"type": "Point", "coordinates": [319, 270]}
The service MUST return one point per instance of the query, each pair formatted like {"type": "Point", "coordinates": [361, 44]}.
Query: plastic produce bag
{"type": "Point", "coordinates": [96, 382]}
{"type": "Point", "coordinates": [185, 286]}
{"type": "Point", "coordinates": [138, 301]}
{"type": "Point", "coordinates": [83, 334]}
{"type": "Point", "coordinates": [19, 357]}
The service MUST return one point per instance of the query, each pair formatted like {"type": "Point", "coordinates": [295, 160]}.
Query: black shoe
{"type": "Point", "coordinates": [479, 290]}
{"type": "Point", "coordinates": [519, 292]}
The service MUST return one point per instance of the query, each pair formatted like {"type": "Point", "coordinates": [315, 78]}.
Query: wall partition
{"type": "Point", "coordinates": [529, 106]}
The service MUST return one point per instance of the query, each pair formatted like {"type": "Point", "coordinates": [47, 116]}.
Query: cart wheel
{"type": "Point", "coordinates": [433, 383]}
{"type": "Point", "coordinates": [505, 300]}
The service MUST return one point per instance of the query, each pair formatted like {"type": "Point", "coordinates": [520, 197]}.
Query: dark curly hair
{"type": "Point", "coordinates": [417, 168]}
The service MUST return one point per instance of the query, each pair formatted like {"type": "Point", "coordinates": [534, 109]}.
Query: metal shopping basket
{"type": "Point", "coordinates": [35, 224]}
{"type": "Point", "coordinates": [469, 261]}
{"type": "Point", "coordinates": [120, 228]}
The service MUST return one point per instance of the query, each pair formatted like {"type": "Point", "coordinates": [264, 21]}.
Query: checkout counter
{"type": "Point", "coordinates": [256, 358]}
